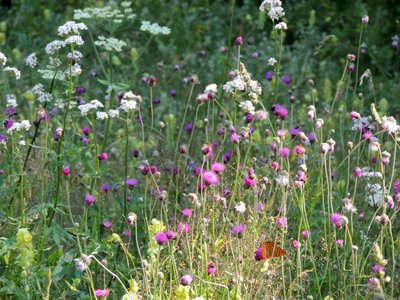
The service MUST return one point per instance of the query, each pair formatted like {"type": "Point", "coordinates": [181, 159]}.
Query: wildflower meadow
{"type": "Point", "coordinates": [199, 149]}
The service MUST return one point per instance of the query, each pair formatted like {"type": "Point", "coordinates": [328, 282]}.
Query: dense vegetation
{"type": "Point", "coordinates": [199, 150]}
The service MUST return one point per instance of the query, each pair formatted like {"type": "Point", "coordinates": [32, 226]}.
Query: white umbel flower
{"type": "Point", "coordinates": [101, 115]}
{"type": "Point", "coordinates": [71, 28]}
{"type": "Point", "coordinates": [31, 60]}
{"type": "Point", "coordinates": [389, 124]}
{"type": "Point", "coordinates": [154, 28]}
{"type": "Point", "coordinates": [74, 39]}
{"type": "Point", "coordinates": [113, 113]}
{"type": "Point", "coordinates": [3, 59]}
{"type": "Point", "coordinates": [14, 71]}
{"type": "Point", "coordinates": [281, 26]}
{"type": "Point", "coordinates": [54, 46]}
{"type": "Point", "coordinates": [272, 61]}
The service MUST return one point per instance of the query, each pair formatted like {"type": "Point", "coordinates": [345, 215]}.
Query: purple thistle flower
{"type": "Point", "coordinates": [187, 212]}
{"type": "Point", "coordinates": [183, 228]}
{"type": "Point", "coordinates": [238, 230]}
{"type": "Point", "coordinates": [282, 222]}
{"type": "Point", "coordinates": [89, 199]}
{"type": "Point", "coordinates": [186, 279]}
{"type": "Point", "coordinates": [131, 182]}
{"type": "Point", "coordinates": [286, 79]}
{"type": "Point", "coordinates": [107, 224]}
{"type": "Point", "coordinates": [269, 75]}
{"type": "Point", "coordinates": [161, 238]}
{"type": "Point", "coordinates": [210, 177]}
{"type": "Point", "coordinates": [102, 293]}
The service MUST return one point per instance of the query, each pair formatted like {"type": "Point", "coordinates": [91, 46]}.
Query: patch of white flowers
{"type": "Point", "coordinates": [110, 44]}
{"type": "Point", "coordinates": [87, 107]}
{"type": "Point", "coordinates": [71, 28]}
{"type": "Point", "coordinates": [274, 8]}
{"type": "Point", "coordinates": [31, 60]}
{"type": "Point", "coordinates": [247, 106]}
{"type": "Point", "coordinates": [74, 40]}
{"type": "Point", "coordinates": [3, 59]}
{"type": "Point", "coordinates": [54, 46]}
{"type": "Point", "coordinates": [11, 101]}
{"type": "Point", "coordinates": [129, 101]}
{"type": "Point", "coordinates": [18, 126]}
{"type": "Point", "coordinates": [101, 115]}
{"type": "Point", "coordinates": [154, 28]}
{"type": "Point", "coordinates": [76, 56]}
{"type": "Point", "coordinates": [13, 71]}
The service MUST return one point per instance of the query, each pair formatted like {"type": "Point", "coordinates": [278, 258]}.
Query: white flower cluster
{"type": "Point", "coordinates": [242, 82]}
{"type": "Point", "coordinates": [104, 13]}
{"type": "Point", "coordinates": [375, 197]}
{"type": "Point", "coordinates": [3, 59]}
{"type": "Point", "coordinates": [113, 113]}
{"type": "Point", "coordinates": [281, 26]}
{"type": "Point", "coordinates": [11, 101]}
{"type": "Point", "coordinates": [129, 101]}
{"type": "Point", "coordinates": [274, 8]}
{"type": "Point", "coordinates": [247, 106]}
{"type": "Point", "coordinates": [208, 94]}
{"type": "Point", "coordinates": [272, 61]}
{"type": "Point", "coordinates": [110, 44]}
{"type": "Point", "coordinates": [154, 28]}
{"type": "Point", "coordinates": [101, 115]}
{"type": "Point", "coordinates": [14, 71]}
{"type": "Point", "coordinates": [76, 56]}
{"type": "Point", "coordinates": [76, 70]}
{"type": "Point", "coordinates": [18, 126]}
{"type": "Point", "coordinates": [54, 46]}
{"type": "Point", "coordinates": [236, 85]}
{"type": "Point", "coordinates": [85, 108]}
{"type": "Point", "coordinates": [389, 124]}
{"type": "Point", "coordinates": [71, 28]}
{"type": "Point", "coordinates": [74, 40]}
{"type": "Point", "coordinates": [282, 179]}
{"type": "Point", "coordinates": [31, 60]}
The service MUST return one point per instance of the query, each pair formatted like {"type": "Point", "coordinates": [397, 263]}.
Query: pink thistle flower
{"type": "Point", "coordinates": [250, 182]}
{"type": "Point", "coordinates": [358, 172]}
{"type": "Point", "coordinates": [89, 199]}
{"type": "Point", "coordinates": [284, 152]}
{"type": "Point", "coordinates": [238, 230]}
{"type": "Point", "coordinates": [187, 212]}
{"type": "Point", "coordinates": [275, 165]}
{"type": "Point", "coordinates": [354, 115]}
{"type": "Point", "coordinates": [295, 244]}
{"type": "Point", "coordinates": [211, 269]}
{"type": "Point", "coordinates": [218, 167]}
{"type": "Point", "coordinates": [171, 235]}
{"type": "Point", "coordinates": [161, 238]}
{"type": "Point", "coordinates": [239, 40]}
{"type": "Point", "coordinates": [340, 243]}
{"type": "Point", "coordinates": [338, 220]}
{"type": "Point", "coordinates": [235, 138]}
{"type": "Point", "coordinates": [131, 182]}
{"type": "Point", "coordinates": [397, 186]}
{"type": "Point", "coordinates": [305, 233]}
{"type": "Point", "coordinates": [66, 171]}
{"type": "Point", "coordinates": [299, 150]}
{"type": "Point", "coordinates": [210, 177]}
{"type": "Point", "coordinates": [103, 156]}
{"type": "Point", "coordinates": [183, 228]}
{"type": "Point", "coordinates": [281, 222]}
{"type": "Point", "coordinates": [281, 133]}
{"type": "Point", "coordinates": [258, 254]}
{"type": "Point", "coordinates": [107, 224]}
{"type": "Point", "coordinates": [102, 293]}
